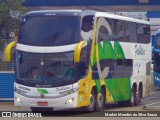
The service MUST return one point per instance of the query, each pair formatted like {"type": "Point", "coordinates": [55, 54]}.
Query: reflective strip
{"type": "Point", "coordinates": [7, 71]}
{"type": "Point", "coordinates": [38, 49]}
{"type": "Point", "coordinates": [6, 99]}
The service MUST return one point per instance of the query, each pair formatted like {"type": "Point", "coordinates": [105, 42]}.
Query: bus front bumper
{"type": "Point", "coordinates": [65, 102]}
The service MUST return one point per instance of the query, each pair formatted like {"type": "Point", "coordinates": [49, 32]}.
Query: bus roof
{"type": "Point", "coordinates": [85, 12]}
{"type": "Point", "coordinates": [107, 15]}
{"type": "Point", "coordinates": [52, 12]}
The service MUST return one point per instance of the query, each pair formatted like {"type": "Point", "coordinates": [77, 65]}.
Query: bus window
{"type": "Point", "coordinates": [50, 31]}
{"type": "Point", "coordinates": [102, 34]}
{"type": "Point", "coordinates": [132, 32]}
{"type": "Point", "coordinates": [143, 33]}
{"type": "Point", "coordinates": [122, 31]}
{"type": "Point", "coordinates": [157, 44]}
{"type": "Point", "coordinates": [87, 23]}
{"type": "Point", "coordinates": [87, 27]}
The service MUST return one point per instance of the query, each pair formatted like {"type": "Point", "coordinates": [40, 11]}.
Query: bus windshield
{"type": "Point", "coordinates": [52, 70]}
{"type": "Point", "coordinates": [157, 41]}
{"type": "Point", "coordinates": [49, 30]}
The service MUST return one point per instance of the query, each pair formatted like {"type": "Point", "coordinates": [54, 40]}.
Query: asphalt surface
{"type": "Point", "coordinates": [152, 102]}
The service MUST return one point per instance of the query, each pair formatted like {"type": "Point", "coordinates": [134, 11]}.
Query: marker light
{"type": "Point", "coordinates": [69, 101]}
{"type": "Point", "coordinates": [18, 100]}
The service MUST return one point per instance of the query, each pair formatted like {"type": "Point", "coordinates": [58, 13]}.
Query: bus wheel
{"type": "Point", "coordinates": [40, 109]}
{"type": "Point", "coordinates": [132, 101]}
{"type": "Point", "coordinates": [139, 96]}
{"type": "Point", "coordinates": [92, 101]}
{"type": "Point", "coordinates": [100, 101]}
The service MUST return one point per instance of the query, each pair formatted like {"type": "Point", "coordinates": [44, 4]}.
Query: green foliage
{"type": "Point", "coordinates": [11, 13]}
{"type": "Point", "coordinates": [3, 10]}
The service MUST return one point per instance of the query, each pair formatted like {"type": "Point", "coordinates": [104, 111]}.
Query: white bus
{"type": "Point", "coordinates": [65, 61]}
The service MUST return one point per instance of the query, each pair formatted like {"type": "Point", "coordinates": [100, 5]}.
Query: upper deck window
{"type": "Point", "coordinates": [49, 30]}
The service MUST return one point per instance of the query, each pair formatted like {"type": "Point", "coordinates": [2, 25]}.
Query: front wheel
{"type": "Point", "coordinates": [92, 103]}
{"type": "Point", "coordinates": [132, 101]}
{"type": "Point", "coordinates": [101, 101]}
{"type": "Point", "coordinates": [139, 96]}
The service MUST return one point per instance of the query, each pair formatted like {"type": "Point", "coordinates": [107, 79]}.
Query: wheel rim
{"type": "Point", "coordinates": [132, 98]}
{"type": "Point", "coordinates": [101, 99]}
{"type": "Point", "coordinates": [139, 96]}
{"type": "Point", "coordinates": [91, 101]}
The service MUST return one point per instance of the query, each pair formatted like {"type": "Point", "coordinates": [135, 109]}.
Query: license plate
{"type": "Point", "coordinates": [42, 103]}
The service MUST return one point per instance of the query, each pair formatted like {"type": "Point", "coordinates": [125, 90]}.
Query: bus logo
{"type": "Point", "coordinates": [139, 50]}
{"type": "Point", "coordinates": [42, 91]}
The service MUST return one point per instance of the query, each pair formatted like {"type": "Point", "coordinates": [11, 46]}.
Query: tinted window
{"type": "Point", "coordinates": [157, 41]}
{"type": "Point", "coordinates": [87, 23]}
{"type": "Point", "coordinates": [55, 69]}
{"type": "Point", "coordinates": [157, 62]}
{"type": "Point", "coordinates": [102, 34]}
{"type": "Point", "coordinates": [132, 28]}
{"type": "Point", "coordinates": [120, 68]}
{"type": "Point", "coordinates": [143, 33]}
{"type": "Point", "coordinates": [50, 30]}
{"type": "Point", "coordinates": [124, 31]}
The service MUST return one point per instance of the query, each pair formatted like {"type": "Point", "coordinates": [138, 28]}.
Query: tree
{"type": "Point", "coordinates": [11, 13]}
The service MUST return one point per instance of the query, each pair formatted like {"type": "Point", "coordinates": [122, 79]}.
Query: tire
{"type": "Point", "coordinates": [40, 109]}
{"type": "Point", "coordinates": [92, 104]}
{"type": "Point", "coordinates": [100, 105]}
{"type": "Point", "coordinates": [139, 96]}
{"type": "Point", "coordinates": [132, 101]}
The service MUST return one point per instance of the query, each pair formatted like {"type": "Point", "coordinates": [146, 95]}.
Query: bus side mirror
{"type": "Point", "coordinates": [7, 52]}
{"type": "Point", "coordinates": [77, 51]}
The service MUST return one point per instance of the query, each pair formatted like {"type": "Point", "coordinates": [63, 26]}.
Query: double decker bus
{"type": "Point", "coordinates": [156, 60]}
{"type": "Point", "coordinates": [73, 59]}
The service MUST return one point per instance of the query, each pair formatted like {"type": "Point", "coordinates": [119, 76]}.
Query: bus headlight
{"type": "Point", "coordinates": [18, 99]}
{"type": "Point", "coordinates": [69, 101]}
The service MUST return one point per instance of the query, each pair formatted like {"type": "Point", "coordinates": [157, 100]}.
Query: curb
{"type": "Point", "coordinates": [153, 106]}
{"type": "Point", "coordinates": [6, 104]}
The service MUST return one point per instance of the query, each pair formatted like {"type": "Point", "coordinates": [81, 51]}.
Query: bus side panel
{"type": "Point", "coordinates": [141, 56]}
{"type": "Point", "coordinates": [108, 66]}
